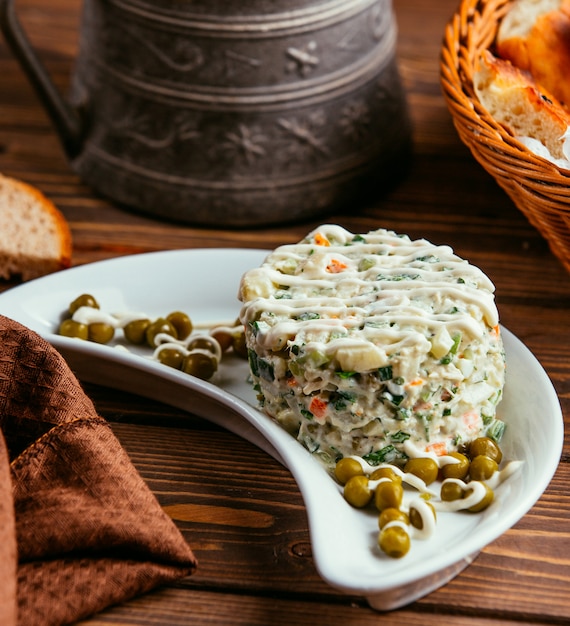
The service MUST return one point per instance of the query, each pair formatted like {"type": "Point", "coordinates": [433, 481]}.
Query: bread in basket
{"type": "Point", "coordinates": [539, 188]}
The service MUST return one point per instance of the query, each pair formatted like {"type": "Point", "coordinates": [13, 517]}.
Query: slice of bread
{"type": "Point", "coordinates": [519, 104]}
{"type": "Point", "coordinates": [535, 36]}
{"type": "Point", "coordinates": [34, 236]}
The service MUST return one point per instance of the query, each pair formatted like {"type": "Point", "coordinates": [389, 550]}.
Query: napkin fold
{"type": "Point", "coordinates": [79, 528]}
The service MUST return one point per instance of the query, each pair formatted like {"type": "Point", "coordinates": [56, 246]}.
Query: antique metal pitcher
{"type": "Point", "coordinates": [230, 112]}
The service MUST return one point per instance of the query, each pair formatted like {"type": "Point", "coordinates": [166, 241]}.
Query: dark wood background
{"type": "Point", "coordinates": [247, 520]}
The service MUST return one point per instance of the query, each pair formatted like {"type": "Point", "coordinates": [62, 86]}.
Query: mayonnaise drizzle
{"type": "Point", "coordinates": [475, 490]}
{"type": "Point", "coordinates": [404, 287]}
{"type": "Point", "coordinates": [427, 517]}
{"type": "Point", "coordinates": [90, 315]}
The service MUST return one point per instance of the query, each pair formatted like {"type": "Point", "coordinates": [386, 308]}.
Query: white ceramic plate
{"type": "Point", "coordinates": [204, 283]}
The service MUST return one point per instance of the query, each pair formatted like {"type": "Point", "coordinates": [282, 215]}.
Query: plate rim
{"type": "Point", "coordinates": [214, 392]}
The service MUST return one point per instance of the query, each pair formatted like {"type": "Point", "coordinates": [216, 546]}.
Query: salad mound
{"type": "Point", "coordinates": [369, 344]}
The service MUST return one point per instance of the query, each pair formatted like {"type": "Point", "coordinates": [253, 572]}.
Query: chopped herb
{"type": "Point", "coordinates": [397, 400]}
{"type": "Point", "coordinates": [430, 258]}
{"type": "Point", "coordinates": [307, 414]}
{"type": "Point", "coordinates": [340, 398]}
{"type": "Point", "coordinates": [446, 412]}
{"type": "Point", "coordinates": [252, 358]}
{"type": "Point", "coordinates": [402, 413]}
{"type": "Point", "coordinates": [307, 315]}
{"type": "Point", "coordinates": [260, 367]}
{"type": "Point", "coordinates": [385, 372]}
{"type": "Point", "coordinates": [397, 277]}
{"type": "Point", "coordinates": [496, 430]}
{"type": "Point", "coordinates": [388, 454]}
{"type": "Point", "coordinates": [266, 370]}
{"type": "Point", "coordinates": [400, 436]}
{"type": "Point", "coordinates": [345, 375]}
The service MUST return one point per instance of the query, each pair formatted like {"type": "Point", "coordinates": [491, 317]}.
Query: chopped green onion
{"type": "Point", "coordinates": [496, 430]}
{"type": "Point", "coordinates": [400, 436]}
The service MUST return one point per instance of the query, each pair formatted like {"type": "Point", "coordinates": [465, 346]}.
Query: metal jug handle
{"type": "Point", "coordinates": [66, 120]}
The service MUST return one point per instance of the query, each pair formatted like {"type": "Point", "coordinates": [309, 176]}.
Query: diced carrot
{"type": "Point", "coordinates": [318, 407]}
{"type": "Point", "coordinates": [439, 448]}
{"type": "Point", "coordinates": [415, 382]}
{"type": "Point", "coordinates": [496, 331]}
{"type": "Point", "coordinates": [471, 420]}
{"type": "Point", "coordinates": [336, 266]}
{"type": "Point", "coordinates": [321, 240]}
{"type": "Point", "coordinates": [422, 405]}
{"type": "Point", "coordinates": [292, 382]}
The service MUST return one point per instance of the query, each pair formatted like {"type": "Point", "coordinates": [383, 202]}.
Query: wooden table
{"type": "Point", "coordinates": [249, 529]}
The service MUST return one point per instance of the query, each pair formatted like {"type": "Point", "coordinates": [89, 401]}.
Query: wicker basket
{"type": "Point", "coordinates": [540, 189]}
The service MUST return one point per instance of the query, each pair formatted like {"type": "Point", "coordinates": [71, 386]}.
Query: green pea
{"type": "Point", "coordinates": [100, 332]}
{"type": "Point", "coordinates": [223, 337]}
{"type": "Point", "coordinates": [484, 502]}
{"type": "Point", "coordinates": [450, 491]}
{"type": "Point", "coordinates": [487, 447]}
{"type": "Point", "coordinates": [181, 322]}
{"type": "Point", "coordinates": [424, 468]}
{"type": "Point", "coordinates": [135, 331]}
{"type": "Point", "coordinates": [70, 328]}
{"type": "Point", "coordinates": [394, 541]}
{"type": "Point", "coordinates": [347, 468]}
{"type": "Point", "coordinates": [85, 299]}
{"type": "Point", "coordinates": [202, 342]}
{"type": "Point", "coordinates": [200, 365]}
{"type": "Point", "coordinates": [482, 468]}
{"type": "Point", "coordinates": [416, 519]}
{"type": "Point", "coordinates": [456, 470]}
{"type": "Point", "coordinates": [159, 326]}
{"type": "Point", "coordinates": [388, 494]}
{"type": "Point", "coordinates": [385, 472]}
{"type": "Point", "coordinates": [392, 514]}
{"type": "Point", "coordinates": [238, 344]}
{"type": "Point", "coordinates": [357, 492]}
{"type": "Point", "coordinates": [173, 357]}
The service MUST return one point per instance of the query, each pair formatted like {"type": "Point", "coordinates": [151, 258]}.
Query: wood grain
{"type": "Point", "coordinates": [238, 508]}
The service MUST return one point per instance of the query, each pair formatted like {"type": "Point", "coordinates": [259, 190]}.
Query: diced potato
{"type": "Point", "coordinates": [441, 343]}
{"type": "Point", "coordinates": [360, 358]}
{"type": "Point", "coordinates": [255, 284]}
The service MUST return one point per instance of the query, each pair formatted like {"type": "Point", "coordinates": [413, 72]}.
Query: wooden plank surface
{"type": "Point", "coordinates": [237, 507]}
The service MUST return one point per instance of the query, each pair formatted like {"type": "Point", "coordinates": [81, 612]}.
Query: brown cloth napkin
{"type": "Point", "coordinates": [79, 528]}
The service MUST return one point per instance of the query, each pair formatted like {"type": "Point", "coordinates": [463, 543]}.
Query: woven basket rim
{"type": "Point", "coordinates": [462, 42]}
{"type": "Point", "coordinates": [538, 187]}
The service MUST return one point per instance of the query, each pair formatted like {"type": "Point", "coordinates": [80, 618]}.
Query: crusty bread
{"type": "Point", "coordinates": [535, 36]}
{"type": "Point", "coordinates": [34, 236]}
{"type": "Point", "coordinates": [518, 103]}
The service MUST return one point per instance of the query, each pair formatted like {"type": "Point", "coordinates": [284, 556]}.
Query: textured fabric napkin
{"type": "Point", "coordinates": [79, 528]}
